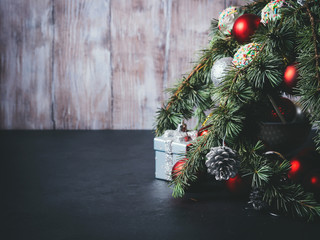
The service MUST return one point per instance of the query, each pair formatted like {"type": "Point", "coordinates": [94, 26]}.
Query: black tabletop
{"type": "Point", "coordinates": [100, 185]}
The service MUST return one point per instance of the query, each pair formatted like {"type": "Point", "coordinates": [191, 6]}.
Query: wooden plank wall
{"type": "Point", "coordinates": [95, 64]}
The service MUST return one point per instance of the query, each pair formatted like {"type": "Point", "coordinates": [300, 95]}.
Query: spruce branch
{"type": "Point", "coordinates": [186, 82]}
{"type": "Point", "coordinates": [314, 35]}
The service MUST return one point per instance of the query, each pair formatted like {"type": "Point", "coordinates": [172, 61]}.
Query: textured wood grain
{"type": "Point", "coordinates": [138, 53]}
{"type": "Point", "coordinates": [95, 64]}
{"type": "Point", "coordinates": [25, 64]}
{"type": "Point", "coordinates": [82, 68]}
{"type": "Point", "coordinates": [190, 25]}
{"type": "Point", "coordinates": [236, 2]}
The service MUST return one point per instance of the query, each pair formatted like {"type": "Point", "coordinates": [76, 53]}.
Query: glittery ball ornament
{"type": "Point", "coordinates": [271, 11]}
{"type": "Point", "coordinates": [245, 54]}
{"type": "Point", "coordinates": [177, 168]}
{"type": "Point", "coordinates": [219, 69]}
{"type": "Point", "coordinates": [244, 27]}
{"type": "Point", "coordinates": [227, 18]}
{"type": "Point", "coordinates": [285, 107]}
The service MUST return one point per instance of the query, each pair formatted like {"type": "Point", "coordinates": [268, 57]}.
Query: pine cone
{"type": "Point", "coordinates": [222, 162]}
{"type": "Point", "coordinates": [256, 199]}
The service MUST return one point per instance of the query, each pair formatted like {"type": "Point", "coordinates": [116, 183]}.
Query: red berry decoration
{"type": "Point", "coordinates": [178, 166]}
{"type": "Point", "coordinates": [245, 26]}
{"type": "Point", "coordinates": [290, 77]}
{"type": "Point", "coordinates": [286, 108]}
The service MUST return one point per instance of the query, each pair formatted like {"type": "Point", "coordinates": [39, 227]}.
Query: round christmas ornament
{"type": "Point", "coordinates": [203, 131]}
{"type": "Point", "coordinates": [227, 18]}
{"type": "Point", "coordinates": [290, 77]}
{"type": "Point", "coordinates": [245, 54]}
{"type": "Point", "coordinates": [222, 163]}
{"type": "Point", "coordinates": [244, 27]}
{"type": "Point", "coordinates": [271, 11]}
{"type": "Point", "coordinates": [285, 137]}
{"type": "Point", "coordinates": [177, 167]}
{"type": "Point", "coordinates": [219, 69]}
{"type": "Point", "coordinates": [298, 169]}
{"type": "Point", "coordinates": [286, 108]}
{"type": "Point", "coordinates": [314, 180]}
{"type": "Point", "coordinates": [238, 185]}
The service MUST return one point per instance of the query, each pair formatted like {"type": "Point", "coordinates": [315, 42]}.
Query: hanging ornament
{"type": "Point", "coordinates": [290, 77]}
{"type": "Point", "coordinates": [256, 199]}
{"type": "Point", "coordinates": [286, 108]}
{"type": "Point", "coordinates": [274, 156]}
{"type": "Point", "coordinates": [284, 138]}
{"type": "Point", "coordinates": [314, 180]}
{"type": "Point", "coordinates": [301, 2]}
{"type": "Point", "coordinates": [219, 69]}
{"type": "Point", "coordinates": [227, 18]}
{"type": "Point", "coordinates": [244, 27]}
{"type": "Point", "coordinates": [271, 12]}
{"type": "Point", "coordinates": [222, 163]}
{"type": "Point", "coordinates": [245, 54]}
{"type": "Point", "coordinates": [189, 146]}
{"type": "Point", "coordinates": [296, 169]}
{"type": "Point", "coordinates": [204, 131]}
{"type": "Point", "coordinates": [177, 167]}
{"type": "Point", "coordinates": [238, 185]}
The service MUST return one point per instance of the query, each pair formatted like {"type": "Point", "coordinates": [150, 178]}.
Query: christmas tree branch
{"type": "Point", "coordinates": [186, 82]}
{"type": "Point", "coordinates": [314, 42]}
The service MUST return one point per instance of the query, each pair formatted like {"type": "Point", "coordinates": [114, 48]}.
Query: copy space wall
{"type": "Point", "coordinates": [96, 64]}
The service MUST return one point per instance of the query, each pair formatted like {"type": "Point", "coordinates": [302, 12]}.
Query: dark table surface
{"type": "Point", "coordinates": [100, 185]}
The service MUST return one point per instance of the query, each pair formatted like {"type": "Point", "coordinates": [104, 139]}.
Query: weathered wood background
{"type": "Point", "coordinates": [96, 64]}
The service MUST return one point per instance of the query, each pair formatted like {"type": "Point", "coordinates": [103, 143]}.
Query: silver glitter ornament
{"type": "Point", "coordinates": [301, 2]}
{"type": "Point", "coordinates": [222, 163]}
{"type": "Point", "coordinates": [219, 69]}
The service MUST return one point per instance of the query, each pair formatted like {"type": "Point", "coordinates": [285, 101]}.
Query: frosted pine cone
{"type": "Point", "coordinates": [256, 199]}
{"type": "Point", "coordinates": [222, 163]}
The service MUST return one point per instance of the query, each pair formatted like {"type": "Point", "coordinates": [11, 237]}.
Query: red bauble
{"type": "Point", "coordinates": [295, 168]}
{"type": "Point", "coordinates": [315, 181]}
{"type": "Point", "coordinates": [203, 131]}
{"type": "Point", "coordinates": [245, 26]}
{"type": "Point", "coordinates": [287, 109]}
{"type": "Point", "coordinates": [238, 185]}
{"type": "Point", "coordinates": [290, 77]}
{"type": "Point", "coordinates": [189, 146]}
{"type": "Point", "coordinates": [176, 170]}
{"type": "Point", "coordinates": [312, 181]}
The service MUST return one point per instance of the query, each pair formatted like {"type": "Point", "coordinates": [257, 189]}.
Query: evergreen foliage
{"type": "Point", "coordinates": [236, 105]}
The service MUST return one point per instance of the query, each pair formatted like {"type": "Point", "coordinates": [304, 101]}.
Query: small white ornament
{"type": "Point", "coordinates": [271, 11]}
{"type": "Point", "coordinates": [246, 54]}
{"type": "Point", "coordinates": [227, 18]}
{"type": "Point", "coordinates": [219, 69]}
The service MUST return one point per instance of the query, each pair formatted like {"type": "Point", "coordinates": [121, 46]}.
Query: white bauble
{"type": "Point", "coordinates": [219, 69]}
{"type": "Point", "coordinates": [227, 18]}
